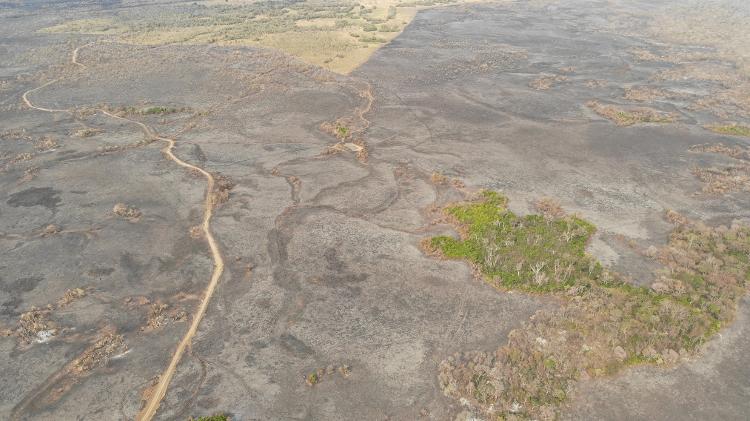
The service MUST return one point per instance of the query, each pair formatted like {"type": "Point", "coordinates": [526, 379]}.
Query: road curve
{"type": "Point", "coordinates": [152, 405]}
{"type": "Point", "coordinates": [160, 390]}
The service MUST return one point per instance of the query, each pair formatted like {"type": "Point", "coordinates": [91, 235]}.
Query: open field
{"type": "Point", "coordinates": [339, 35]}
{"type": "Point", "coordinates": [204, 210]}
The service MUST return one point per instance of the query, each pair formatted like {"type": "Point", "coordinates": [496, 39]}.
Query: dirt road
{"type": "Point", "coordinates": [160, 389]}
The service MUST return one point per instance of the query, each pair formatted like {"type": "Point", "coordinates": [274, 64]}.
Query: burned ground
{"type": "Point", "coordinates": [322, 250]}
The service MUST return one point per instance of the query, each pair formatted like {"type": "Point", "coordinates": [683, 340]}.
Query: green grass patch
{"type": "Point", "coordinates": [313, 378]}
{"type": "Point", "coordinates": [532, 253]}
{"type": "Point", "coordinates": [218, 417]}
{"type": "Point", "coordinates": [732, 129]}
{"type": "Point", "coordinates": [150, 110]}
{"type": "Point", "coordinates": [342, 131]}
{"type": "Point", "coordinates": [158, 110]}
{"type": "Point", "coordinates": [628, 117]}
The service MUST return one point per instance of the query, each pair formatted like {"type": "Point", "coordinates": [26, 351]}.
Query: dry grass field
{"type": "Point", "coordinates": [339, 35]}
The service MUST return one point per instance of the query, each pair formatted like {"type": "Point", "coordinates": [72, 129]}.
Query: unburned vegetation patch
{"type": "Point", "coordinates": [732, 129]}
{"type": "Point", "coordinates": [632, 115]}
{"type": "Point", "coordinates": [723, 180]}
{"type": "Point", "coordinates": [604, 324]}
{"type": "Point", "coordinates": [532, 253]}
{"type": "Point", "coordinates": [728, 178]}
{"type": "Point", "coordinates": [218, 417]}
{"type": "Point", "coordinates": [223, 187]}
{"type": "Point", "coordinates": [648, 94]}
{"type": "Point", "coordinates": [544, 82]}
{"type": "Point", "coordinates": [336, 34]}
{"type": "Point", "coordinates": [128, 212]}
{"type": "Point", "coordinates": [36, 326]}
{"type": "Point", "coordinates": [100, 352]}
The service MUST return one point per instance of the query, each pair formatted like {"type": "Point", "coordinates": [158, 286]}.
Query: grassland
{"type": "Point", "coordinates": [734, 177]}
{"type": "Point", "coordinates": [605, 324]}
{"type": "Point", "coordinates": [339, 35]}
{"type": "Point", "coordinates": [732, 129]}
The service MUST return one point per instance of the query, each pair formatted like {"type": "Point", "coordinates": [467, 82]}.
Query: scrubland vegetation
{"type": "Point", "coordinates": [218, 417]}
{"type": "Point", "coordinates": [124, 211]}
{"type": "Point", "coordinates": [732, 129]}
{"type": "Point", "coordinates": [629, 116]}
{"type": "Point", "coordinates": [339, 34]}
{"type": "Point", "coordinates": [604, 323]}
{"type": "Point", "coordinates": [729, 178]}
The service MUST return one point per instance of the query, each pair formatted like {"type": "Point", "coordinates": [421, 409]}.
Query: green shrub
{"type": "Point", "coordinates": [531, 253]}
{"type": "Point", "coordinates": [389, 28]}
{"type": "Point", "coordinates": [605, 323]}
{"type": "Point", "coordinates": [391, 12]}
{"type": "Point", "coordinates": [218, 417]}
{"type": "Point", "coordinates": [732, 129]}
{"type": "Point", "coordinates": [158, 110]}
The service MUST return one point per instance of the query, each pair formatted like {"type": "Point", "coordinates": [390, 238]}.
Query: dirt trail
{"type": "Point", "coordinates": [74, 56]}
{"type": "Point", "coordinates": [160, 389]}
{"type": "Point", "coordinates": [367, 94]}
{"type": "Point", "coordinates": [28, 103]}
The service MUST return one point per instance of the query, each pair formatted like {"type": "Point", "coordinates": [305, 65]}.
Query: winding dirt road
{"type": "Point", "coordinates": [160, 389]}
{"type": "Point", "coordinates": [28, 103]}
{"type": "Point", "coordinates": [158, 392]}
